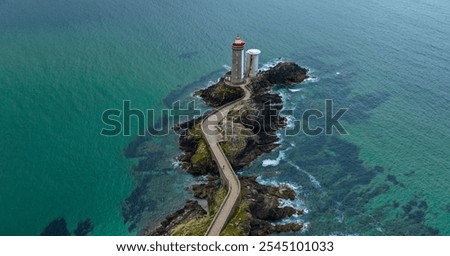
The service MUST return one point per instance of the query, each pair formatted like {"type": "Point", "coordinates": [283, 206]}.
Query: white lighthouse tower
{"type": "Point", "coordinates": [237, 61]}
{"type": "Point", "coordinates": [251, 62]}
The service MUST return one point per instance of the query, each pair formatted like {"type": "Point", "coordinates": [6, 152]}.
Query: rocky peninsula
{"type": "Point", "coordinates": [249, 131]}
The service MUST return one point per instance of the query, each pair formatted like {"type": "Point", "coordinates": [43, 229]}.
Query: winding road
{"type": "Point", "coordinates": [213, 136]}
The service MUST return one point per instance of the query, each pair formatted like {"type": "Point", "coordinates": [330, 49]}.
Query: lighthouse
{"type": "Point", "coordinates": [251, 62]}
{"type": "Point", "coordinates": [237, 61]}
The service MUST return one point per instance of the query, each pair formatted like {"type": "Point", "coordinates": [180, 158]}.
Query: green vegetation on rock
{"type": "Point", "coordinates": [233, 146]}
{"type": "Point", "coordinates": [227, 148]}
{"type": "Point", "coordinates": [198, 227]}
{"type": "Point", "coordinates": [223, 90]}
{"type": "Point", "coordinates": [201, 154]}
{"type": "Point", "coordinates": [194, 227]}
{"type": "Point", "coordinates": [240, 221]}
{"type": "Point", "coordinates": [196, 131]}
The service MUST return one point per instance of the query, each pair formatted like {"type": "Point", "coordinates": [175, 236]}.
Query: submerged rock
{"type": "Point", "coordinates": [57, 227]}
{"type": "Point", "coordinates": [84, 228]}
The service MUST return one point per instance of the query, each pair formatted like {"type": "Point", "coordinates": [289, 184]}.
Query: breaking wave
{"type": "Point", "coordinates": [311, 80]}
{"type": "Point", "coordinates": [271, 64]}
{"type": "Point", "coordinates": [274, 162]}
{"type": "Point", "coordinates": [290, 122]}
{"type": "Point", "coordinates": [176, 163]}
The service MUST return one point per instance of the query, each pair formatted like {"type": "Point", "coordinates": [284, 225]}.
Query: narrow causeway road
{"type": "Point", "coordinates": [228, 177]}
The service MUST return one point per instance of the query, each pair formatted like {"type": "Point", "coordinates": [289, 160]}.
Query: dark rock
{"type": "Point", "coordinates": [220, 94]}
{"type": "Point", "coordinates": [285, 73]}
{"type": "Point", "coordinates": [191, 210]}
{"type": "Point", "coordinates": [265, 207]}
{"type": "Point", "coordinates": [84, 228]}
{"type": "Point", "coordinates": [204, 191]}
{"type": "Point", "coordinates": [58, 227]}
{"type": "Point", "coordinates": [263, 228]}
{"type": "Point", "coordinates": [265, 200]}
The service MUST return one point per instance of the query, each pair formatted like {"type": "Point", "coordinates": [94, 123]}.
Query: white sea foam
{"type": "Point", "coordinates": [270, 162]}
{"type": "Point", "coordinates": [283, 95]}
{"type": "Point", "coordinates": [290, 122]}
{"type": "Point", "coordinates": [176, 163]}
{"type": "Point", "coordinates": [279, 136]}
{"type": "Point", "coordinates": [305, 226]}
{"type": "Point", "coordinates": [315, 183]}
{"type": "Point", "coordinates": [202, 178]}
{"type": "Point", "coordinates": [273, 182]}
{"type": "Point", "coordinates": [286, 97]}
{"type": "Point", "coordinates": [311, 79]}
{"type": "Point", "coordinates": [198, 180]}
{"type": "Point", "coordinates": [297, 203]}
{"type": "Point", "coordinates": [228, 68]}
{"type": "Point", "coordinates": [274, 162]}
{"type": "Point", "coordinates": [295, 90]}
{"type": "Point", "coordinates": [271, 64]}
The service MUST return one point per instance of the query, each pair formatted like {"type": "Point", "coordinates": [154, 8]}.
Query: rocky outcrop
{"type": "Point", "coordinates": [263, 228]}
{"type": "Point", "coordinates": [253, 127]}
{"type": "Point", "coordinates": [249, 131]}
{"type": "Point", "coordinates": [265, 200]}
{"type": "Point", "coordinates": [205, 190]}
{"type": "Point", "coordinates": [250, 127]}
{"type": "Point", "coordinates": [192, 210]}
{"type": "Point", "coordinates": [220, 94]}
{"type": "Point", "coordinates": [285, 73]}
{"type": "Point", "coordinates": [196, 158]}
{"type": "Point", "coordinates": [264, 207]}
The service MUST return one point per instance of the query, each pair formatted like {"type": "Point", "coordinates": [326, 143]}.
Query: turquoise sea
{"type": "Point", "coordinates": [62, 63]}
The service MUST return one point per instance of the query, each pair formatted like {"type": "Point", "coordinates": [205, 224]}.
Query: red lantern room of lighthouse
{"type": "Point", "coordinates": [238, 41]}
